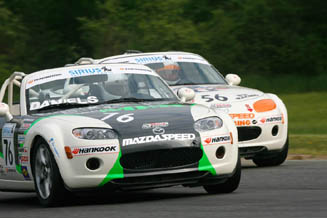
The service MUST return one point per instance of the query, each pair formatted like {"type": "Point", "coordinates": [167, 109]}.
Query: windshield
{"type": "Point", "coordinates": [187, 73]}
{"type": "Point", "coordinates": [96, 89]}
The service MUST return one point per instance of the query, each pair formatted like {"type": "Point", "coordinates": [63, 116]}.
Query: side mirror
{"type": "Point", "coordinates": [4, 111]}
{"type": "Point", "coordinates": [186, 94]}
{"type": "Point", "coordinates": [233, 79]}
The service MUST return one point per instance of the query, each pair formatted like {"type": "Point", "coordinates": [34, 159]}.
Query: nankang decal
{"type": "Point", "coordinates": [38, 105]}
{"type": "Point", "coordinates": [104, 149]}
{"type": "Point", "coordinates": [86, 71]}
{"type": "Point", "coordinates": [217, 139]}
{"type": "Point", "coordinates": [140, 107]}
{"type": "Point", "coordinates": [158, 138]}
{"type": "Point", "coordinates": [273, 119]}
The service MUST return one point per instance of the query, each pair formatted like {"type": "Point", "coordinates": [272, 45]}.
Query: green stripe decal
{"type": "Point", "coordinates": [204, 163]}
{"type": "Point", "coordinates": [19, 169]}
{"type": "Point", "coordinates": [116, 172]}
{"type": "Point", "coordinates": [1, 155]}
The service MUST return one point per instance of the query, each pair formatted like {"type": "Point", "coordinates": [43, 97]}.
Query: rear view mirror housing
{"type": "Point", "coordinates": [4, 111]}
{"type": "Point", "coordinates": [186, 94]}
{"type": "Point", "coordinates": [233, 79]}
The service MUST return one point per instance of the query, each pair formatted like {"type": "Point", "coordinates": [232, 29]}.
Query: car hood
{"type": "Point", "coordinates": [143, 126]}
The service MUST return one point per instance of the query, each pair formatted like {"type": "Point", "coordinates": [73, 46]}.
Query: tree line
{"type": "Point", "coordinates": [248, 37]}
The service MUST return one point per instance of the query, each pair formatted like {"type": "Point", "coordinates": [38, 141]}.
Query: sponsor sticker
{"type": "Point", "coordinates": [158, 138]}
{"type": "Point", "coordinates": [39, 105]}
{"type": "Point", "coordinates": [103, 149]}
{"type": "Point", "coordinates": [272, 119]}
{"type": "Point", "coordinates": [154, 125]}
{"type": "Point", "coordinates": [248, 107]}
{"type": "Point", "coordinates": [217, 140]}
{"type": "Point", "coordinates": [21, 139]}
{"type": "Point", "coordinates": [25, 173]}
{"type": "Point", "coordinates": [85, 71]}
{"type": "Point", "coordinates": [243, 96]}
{"type": "Point", "coordinates": [53, 145]}
{"type": "Point", "coordinates": [242, 116]}
{"type": "Point", "coordinates": [242, 122]}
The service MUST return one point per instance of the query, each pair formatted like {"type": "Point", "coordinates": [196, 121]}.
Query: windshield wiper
{"type": "Point", "coordinates": [62, 106]}
{"type": "Point", "coordinates": [120, 100]}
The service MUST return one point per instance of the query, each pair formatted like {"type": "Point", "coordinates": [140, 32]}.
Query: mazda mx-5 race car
{"type": "Point", "coordinates": [261, 118]}
{"type": "Point", "coordinates": [111, 126]}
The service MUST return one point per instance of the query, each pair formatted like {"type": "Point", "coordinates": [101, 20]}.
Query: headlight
{"type": "Point", "coordinates": [208, 124]}
{"type": "Point", "coordinates": [94, 133]}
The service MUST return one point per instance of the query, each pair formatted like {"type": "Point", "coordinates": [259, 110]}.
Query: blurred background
{"type": "Point", "coordinates": [277, 46]}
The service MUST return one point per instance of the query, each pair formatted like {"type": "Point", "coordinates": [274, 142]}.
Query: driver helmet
{"type": "Point", "coordinates": [170, 72]}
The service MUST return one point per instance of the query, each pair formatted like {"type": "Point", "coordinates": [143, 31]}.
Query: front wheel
{"type": "Point", "coordinates": [230, 185]}
{"type": "Point", "coordinates": [276, 160]}
{"type": "Point", "coordinates": [47, 180]}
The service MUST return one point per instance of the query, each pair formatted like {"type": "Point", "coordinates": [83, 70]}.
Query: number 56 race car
{"type": "Point", "coordinates": [261, 118]}
{"type": "Point", "coordinates": [110, 126]}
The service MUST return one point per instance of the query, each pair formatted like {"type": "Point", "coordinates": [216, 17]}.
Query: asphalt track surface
{"type": "Point", "coordinates": [298, 188]}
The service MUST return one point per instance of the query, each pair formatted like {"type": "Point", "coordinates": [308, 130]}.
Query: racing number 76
{"type": "Point", "coordinates": [9, 157]}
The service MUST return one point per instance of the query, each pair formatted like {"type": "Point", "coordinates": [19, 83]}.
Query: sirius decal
{"type": "Point", "coordinates": [107, 149]}
{"type": "Point", "coordinates": [85, 71]}
{"type": "Point", "coordinates": [217, 139]}
{"type": "Point", "coordinates": [38, 105]}
{"type": "Point", "coordinates": [149, 59]}
{"type": "Point", "coordinates": [158, 138]}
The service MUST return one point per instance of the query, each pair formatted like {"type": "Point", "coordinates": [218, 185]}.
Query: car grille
{"type": "Point", "coordinates": [248, 133]}
{"type": "Point", "coordinates": [165, 158]}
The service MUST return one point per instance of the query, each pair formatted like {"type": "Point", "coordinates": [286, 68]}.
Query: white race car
{"type": "Point", "coordinates": [116, 126]}
{"type": "Point", "coordinates": [261, 118]}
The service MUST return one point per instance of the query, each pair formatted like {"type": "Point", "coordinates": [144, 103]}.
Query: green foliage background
{"type": "Point", "coordinates": [277, 46]}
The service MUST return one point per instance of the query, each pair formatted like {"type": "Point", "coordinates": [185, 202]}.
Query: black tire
{"type": "Point", "coordinates": [275, 160]}
{"type": "Point", "coordinates": [48, 183]}
{"type": "Point", "coordinates": [230, 185]}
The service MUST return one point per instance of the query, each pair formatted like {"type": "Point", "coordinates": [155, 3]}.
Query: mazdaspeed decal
{"type": "Point", "coordinates": [158, 138]}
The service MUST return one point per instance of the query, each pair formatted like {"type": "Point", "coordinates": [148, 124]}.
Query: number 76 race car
{"type": "Point", "coordinates": [110, 126]}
